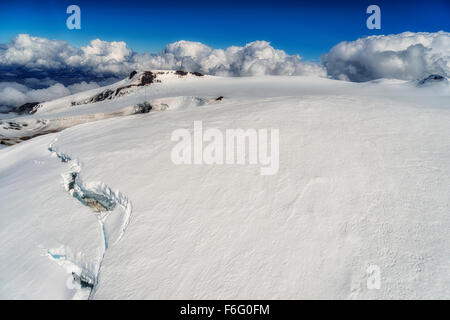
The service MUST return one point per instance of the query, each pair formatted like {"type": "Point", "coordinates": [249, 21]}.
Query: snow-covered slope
{"type": "Point", "coordinates": [126, 97]}
{"type": "Point", "coordinates": [158, 90]}
{"type": "Point", "coordinates": [363, 181]}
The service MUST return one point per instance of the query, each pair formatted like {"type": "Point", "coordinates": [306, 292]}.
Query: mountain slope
{"type": "Point", "coordinates": [123, 98]}
{"type": "Point", "coordinates": [363, 180]}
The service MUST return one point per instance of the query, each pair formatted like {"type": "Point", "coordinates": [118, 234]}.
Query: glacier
{"type": "Point", "coordinates": [364, 180]}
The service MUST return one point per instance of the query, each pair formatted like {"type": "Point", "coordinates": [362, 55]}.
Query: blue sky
{"type": "Point", "coordinates": [309, 29]}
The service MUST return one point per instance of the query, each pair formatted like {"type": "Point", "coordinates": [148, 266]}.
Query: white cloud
{"type": "Point", "coordinates": [52, 92]}
{"type": "Point", "coordinates": [13, 94]}
{"type": "Point", "coordinates": [254, 59]}
{"type": "Point", "coordinates": [406, 56]}
{"type": "Point", "coordinates": [403, 56]}
{"type": "Point", "coordinates": [34, 52]}
{"type": "Point", "coordinates": [39, 69]}
{"type": "Point", "coordinates": [83, 86]}
{"type": "Point", "coordinates": [102, 58]}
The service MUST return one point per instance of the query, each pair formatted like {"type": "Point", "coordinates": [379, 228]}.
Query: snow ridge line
{"type": "Point", "coordinates": [99, 197]}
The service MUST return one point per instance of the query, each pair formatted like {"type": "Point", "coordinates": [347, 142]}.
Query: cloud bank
{"type": "Point", "coordinates": [13, 94]}
{"type": "Point", "coordinates": [38, 69]}
{"type": "Point", "coordinates": [406, 56]}
{"type": "Point", "coordinates": [254, 59]}
{"type": "Point", "coordinates": [102, 59]}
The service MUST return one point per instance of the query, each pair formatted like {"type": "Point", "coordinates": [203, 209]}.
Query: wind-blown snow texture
{"type": "Point", "coordinates": [364, 180]}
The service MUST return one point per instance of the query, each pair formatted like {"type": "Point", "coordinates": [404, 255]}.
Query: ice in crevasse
{"type": "Point", "coordinates": [97, 202]}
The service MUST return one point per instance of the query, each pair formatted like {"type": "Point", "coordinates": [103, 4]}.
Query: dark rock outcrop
{"type": "Point", "coordinates": [28, 108]}
{"type": "Point", "coordinates": [144, 107]}
{"type": "Point", "coordinates": [145, 79]}
{"type": "Point", "coordinates": [132, 74]}
{"type": "Point", "coordinates": [107, 94]}
{"type": "Point", "coordinates": [181, 73]}
{"type": "Point", "coordinates": [432, 79]}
